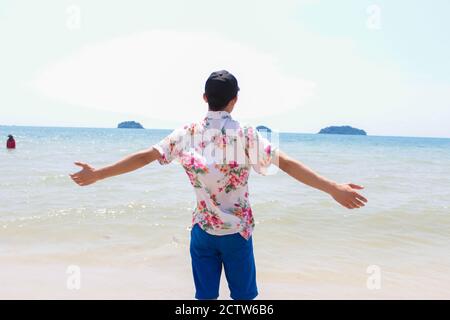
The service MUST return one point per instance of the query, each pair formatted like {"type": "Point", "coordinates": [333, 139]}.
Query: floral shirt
{"type": "Point", "coordinates": [217, 154]}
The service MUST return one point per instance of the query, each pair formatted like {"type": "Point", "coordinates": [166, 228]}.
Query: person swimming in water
{"type": "Point", "coordinates": [10, 143]}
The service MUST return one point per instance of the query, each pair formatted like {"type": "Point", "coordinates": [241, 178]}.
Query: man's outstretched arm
{"type": "Point", "coordinates": [88, 175]}
{"type": "Point", "coordinates": [345, 194]}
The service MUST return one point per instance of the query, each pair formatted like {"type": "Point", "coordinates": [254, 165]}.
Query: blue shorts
{"type": "Point", "coordinates": [210, 252]}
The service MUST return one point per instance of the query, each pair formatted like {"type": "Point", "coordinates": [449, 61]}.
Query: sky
{"type": "Point", "coordinates": [381, 66]}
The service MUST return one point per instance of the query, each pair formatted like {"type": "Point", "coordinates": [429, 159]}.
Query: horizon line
{"type": "Point", "coordinates": [294, 132]}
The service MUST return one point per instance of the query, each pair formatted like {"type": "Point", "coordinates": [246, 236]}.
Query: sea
{"type": "Point", "coordinates": [127, 237]}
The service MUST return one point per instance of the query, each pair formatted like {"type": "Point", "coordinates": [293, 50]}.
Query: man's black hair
{"type": "Point", "coordinates": [220, 88]}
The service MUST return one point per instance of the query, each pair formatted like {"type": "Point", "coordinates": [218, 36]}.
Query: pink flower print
{"type": "Point", "coordinates": [192, 177]}
{"type": "Point", "coordinates": [220, 141]}
{"type": "Point", "coordinates": [267, 150]}
{"type": "Point", "coordinates": [233, 181]}
{"type": "Point", "coordinates": [222, 168]}
{"type": "Point", "coordinates": [244, 176]}
{"type": "Point", "coordinates": [199, 166]}
{"type": "Point", "coordinates": [215, 221]}
{"type": "Point", "coordinates": [246, 233]}
{"type": "Point", "coordinates": [233, 164]}
{"type": "Point", "coordinates": [163, 159]}
{"type": "Point", "coordinates": [212, 219]}
{"type": "Point", "coordinates": [214, 199]}
{"type": "Point", "coordinates": [238, 212]}
{"type": "Point", "coordinates": [192, 128]}
{"type": "Point", "coordinates": [248, 212]}
{"type": "Point", "coordinates": [201, 205]}
{"type": "Point", "coordinates": [191, 163]}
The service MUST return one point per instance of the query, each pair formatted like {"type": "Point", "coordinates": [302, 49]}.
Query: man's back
{"type": "Point", "coordinates": [217, 154]}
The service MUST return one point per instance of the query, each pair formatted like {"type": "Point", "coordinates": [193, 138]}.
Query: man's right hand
{"type": "Point", "coordinates": [86, 176]}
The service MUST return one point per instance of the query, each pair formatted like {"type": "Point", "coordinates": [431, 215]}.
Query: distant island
{"type": "Point", "coordinates": [342, 130]}
{"type": "Point", "coordinates": [130, 125]}
{"type": "Point", "coordinates": [263, 128]}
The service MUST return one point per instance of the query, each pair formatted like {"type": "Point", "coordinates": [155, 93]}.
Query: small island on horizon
{"type": "Point", "coordinates": [342, 130]}
{"type": "Point", "coordinates": [130, 125]}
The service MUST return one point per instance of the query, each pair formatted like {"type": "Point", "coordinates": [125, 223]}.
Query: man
{"type": "Point", "coordinates": [217, 154]}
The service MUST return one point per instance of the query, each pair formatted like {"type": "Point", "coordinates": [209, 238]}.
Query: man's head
{"type": "Point", "coordinates": [10, 136]}
{"type": "Point", "coordinates": [221, 90]}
